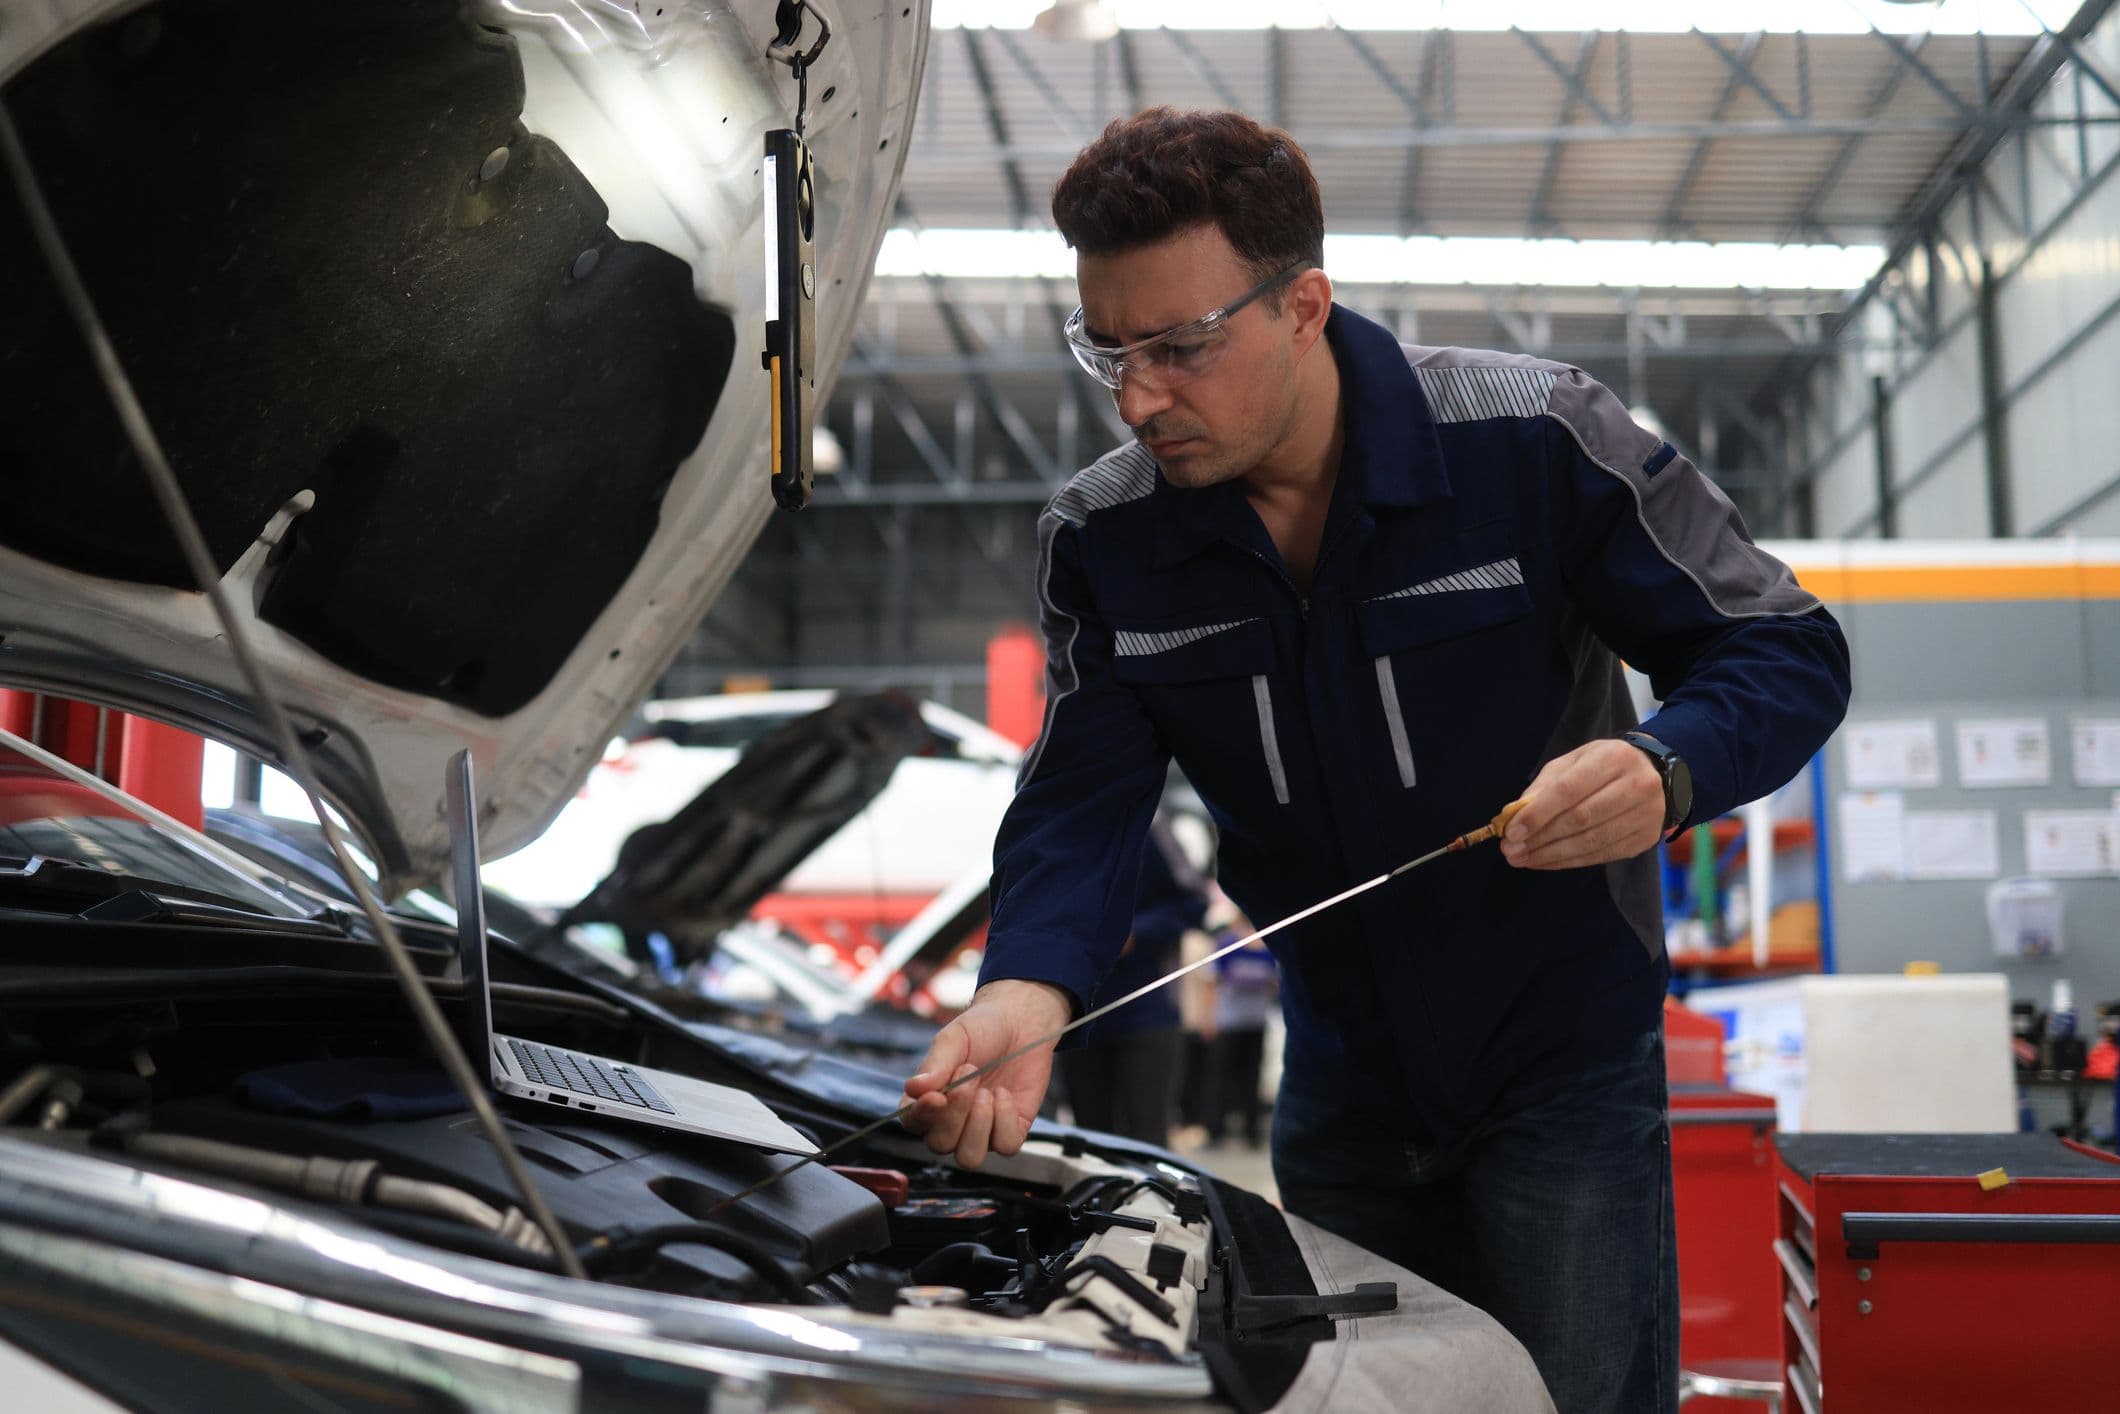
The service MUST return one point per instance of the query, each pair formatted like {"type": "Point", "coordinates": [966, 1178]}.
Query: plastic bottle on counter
{"type": "Point", "coordinates": [2065, 1047]}
{"type": "Point", "coordinates": [2061, 1019]}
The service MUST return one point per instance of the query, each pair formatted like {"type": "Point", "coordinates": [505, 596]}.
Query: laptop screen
{"type": "Point", "coordinates": [470, 909]}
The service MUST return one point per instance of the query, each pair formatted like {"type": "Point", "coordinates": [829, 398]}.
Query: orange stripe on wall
{"type": "Point", "coordinates": [1886, 584]}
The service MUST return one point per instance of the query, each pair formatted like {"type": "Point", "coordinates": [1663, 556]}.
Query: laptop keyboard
{"type": "Point", "coordinates": [586, 1075]}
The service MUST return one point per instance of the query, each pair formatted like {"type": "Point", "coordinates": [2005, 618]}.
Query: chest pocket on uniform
{"type": "Point", "coordinates": [1428, 613]}
{"type": "Point", "coordinates": [1235, 650]}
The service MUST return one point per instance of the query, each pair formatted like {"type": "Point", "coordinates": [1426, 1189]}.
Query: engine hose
{"type": "Point", "coordinates": [355, 1182]}
{"type": "Point", "coordinates": [455, 1237]}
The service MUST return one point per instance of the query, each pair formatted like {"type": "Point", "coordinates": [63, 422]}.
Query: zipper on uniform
{"type": "Point", "coordinates": [1281, 573]}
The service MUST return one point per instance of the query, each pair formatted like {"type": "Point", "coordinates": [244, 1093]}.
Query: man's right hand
{"type": "Point", "coordinates": [995, 1111]}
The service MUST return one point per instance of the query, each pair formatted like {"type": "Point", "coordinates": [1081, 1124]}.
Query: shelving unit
{"type": "Point", "coordinates": [1799, 930]}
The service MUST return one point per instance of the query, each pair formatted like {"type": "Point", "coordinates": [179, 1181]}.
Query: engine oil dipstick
{"type": "Point", "coordinates": [1492, 830]}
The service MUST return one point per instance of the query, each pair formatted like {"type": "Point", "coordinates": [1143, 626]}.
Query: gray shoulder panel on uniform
{"type": "Point", "coordinates": [1125, 474]}
{"type": "Point", "coordinates": [1685, 515]}
{"type": "Point", "coordinates": [1474, 385]}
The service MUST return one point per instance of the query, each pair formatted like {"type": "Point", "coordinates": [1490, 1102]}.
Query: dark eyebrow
{"type": "Point", "coordinates": [1099, 336]}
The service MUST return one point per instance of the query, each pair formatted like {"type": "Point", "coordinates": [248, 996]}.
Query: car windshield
{"type": "Point", "coordinates": [45, 815]}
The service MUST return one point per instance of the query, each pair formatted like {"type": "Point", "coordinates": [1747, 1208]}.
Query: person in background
{"type": "Point", "coordinates": [1247, 994]}
{"type": "Point", "coordinates": [1123, 1078]}
{"type": "Point", "coordinates": [1196, 1019]}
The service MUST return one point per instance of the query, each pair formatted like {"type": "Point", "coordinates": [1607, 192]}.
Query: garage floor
{"type": "Point", "coordinates": [1239, 1164]}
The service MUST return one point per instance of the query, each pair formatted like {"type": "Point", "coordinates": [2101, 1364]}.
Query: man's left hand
{"type": "Point", "coordinates": [1600, 802]}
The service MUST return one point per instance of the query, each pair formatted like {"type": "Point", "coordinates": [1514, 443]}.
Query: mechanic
{"type": "Point", "coordinates": [1366, 594]}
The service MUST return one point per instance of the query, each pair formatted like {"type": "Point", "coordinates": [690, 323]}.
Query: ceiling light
{"type": "Point", "coordinates": [1817, 17]}
{"type": "Point", "coordinates": [1503, 262]}
{"type": "Point", "coordinates": [1076, 19]}
{"type": "Point", "coordinates": [828, 457]}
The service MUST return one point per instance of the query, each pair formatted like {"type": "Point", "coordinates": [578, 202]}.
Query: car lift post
{"type": "Point", "coordinates": [160, 765]}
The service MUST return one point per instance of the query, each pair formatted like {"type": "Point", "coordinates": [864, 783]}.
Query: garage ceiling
{"type": "Point", "coordinates": [960, 413]}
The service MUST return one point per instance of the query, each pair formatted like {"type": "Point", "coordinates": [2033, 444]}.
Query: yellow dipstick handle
{"type": "Point", "coordinates": [1493, 829]}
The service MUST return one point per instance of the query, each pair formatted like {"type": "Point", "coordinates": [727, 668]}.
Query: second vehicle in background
{"type": "Point", "coordinates": [932, 824]}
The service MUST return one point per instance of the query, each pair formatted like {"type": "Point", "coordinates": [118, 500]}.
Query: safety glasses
{"type": "Point", "coordinates": [1172, 357]}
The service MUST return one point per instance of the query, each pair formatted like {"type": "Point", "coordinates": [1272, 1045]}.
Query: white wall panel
{"type": "Point", "coordinates": [2063, 284]}
{"type": "Point", "coordinates": [1955, 294]}
{"type": "Point", "coordinates": [2001, 171]}
{"type": "Point", "coordinates": [2043, 452]}
{"type": "Point", "coordinates": [2102, 46]}
{"type": "Point", "coordinates": [2101, 519]}
{"type": "Point", "coordinates": [2104, 139]}
{"type": "Point", "coordinates": [1847, 490]}
{"type": "Point", "coordinates": [1938, 404]}
{"type": "Point", "coordinates": [1952, 503]}
{"type": "Point", "coordinates": [2053, 171]}
{"type": "Point", "coordinates": [1851, 394]}
{"type": "Point", "coordinates": [2065, 431]}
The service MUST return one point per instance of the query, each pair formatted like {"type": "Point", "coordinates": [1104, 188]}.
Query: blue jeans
{"type": "Point", "coordinates": [1554, 1218]}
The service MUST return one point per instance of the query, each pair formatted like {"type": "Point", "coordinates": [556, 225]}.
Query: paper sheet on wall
{"type": "Point", "coordinates": [2097, 742]}
{"type": "Point", "coordinates": [1872, 836]}
{"type": "Point", "coordinates": [2072, 843]}
{"type": "Point", "coordinates": [1892, 755]}
{"type": "Point", "coordinates": [1952, 844]}
{"type": "Point", "coordinates": [2004, 751]}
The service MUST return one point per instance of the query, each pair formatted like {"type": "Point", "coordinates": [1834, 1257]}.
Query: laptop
{"type": "Point", "coordinates": [576, 1081]}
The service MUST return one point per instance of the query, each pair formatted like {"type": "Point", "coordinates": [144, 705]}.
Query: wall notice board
{"type": "Point", "coordinates": [1983, 741]}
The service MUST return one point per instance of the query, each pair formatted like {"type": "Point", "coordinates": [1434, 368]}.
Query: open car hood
{"type": "Point", "coordinates": [700, 871]}
{"type": "Point", "coordinates": [448, 317]}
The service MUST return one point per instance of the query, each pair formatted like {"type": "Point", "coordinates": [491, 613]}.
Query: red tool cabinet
{"type": "Point", "coordinates": [1947, 1273]}
{"type": "Point", "coordinates": [1722, 1194]}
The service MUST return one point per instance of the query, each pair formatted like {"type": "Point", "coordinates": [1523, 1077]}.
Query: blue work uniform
{"type": "Point", "coordinates": [1501, 534]}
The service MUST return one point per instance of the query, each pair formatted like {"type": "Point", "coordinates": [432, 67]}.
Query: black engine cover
{"type": "Point", "coordinates": [598, 1177]}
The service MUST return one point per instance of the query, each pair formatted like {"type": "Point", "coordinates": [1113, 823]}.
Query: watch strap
{"type": "Point", "coordinates": [1666, 761]}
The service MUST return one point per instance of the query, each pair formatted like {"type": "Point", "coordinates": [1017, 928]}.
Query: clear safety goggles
{"type": "Point", "coordinates": [1172, 357]}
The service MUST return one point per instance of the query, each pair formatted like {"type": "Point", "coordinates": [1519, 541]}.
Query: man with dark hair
{"type": "Point", "coordinates": [1365, 594]}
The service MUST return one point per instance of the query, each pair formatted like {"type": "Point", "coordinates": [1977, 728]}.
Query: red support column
{"type": "Point", "coordinates": [90, 737]}
{"type": "Point", "coordinates": [162, 765]}
{"type": "Point", "coordinates": [1015, 684]}
{"type": "Point", "coordinates": [18, 712]}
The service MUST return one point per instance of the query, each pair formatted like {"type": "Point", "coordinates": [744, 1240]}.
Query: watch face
{"type": "Point", "coordinates": [1678, 787]}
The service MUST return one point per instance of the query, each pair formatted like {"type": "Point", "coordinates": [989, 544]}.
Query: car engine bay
{"type": "Point", "coordinates": [1058, 1243]}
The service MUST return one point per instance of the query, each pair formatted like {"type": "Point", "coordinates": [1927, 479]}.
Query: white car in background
{"type": "Point", "coordinates": [932, 824]}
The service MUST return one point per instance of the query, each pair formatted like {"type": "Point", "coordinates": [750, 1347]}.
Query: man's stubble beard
{"type": "Point", "coordinates": [1212, 464]}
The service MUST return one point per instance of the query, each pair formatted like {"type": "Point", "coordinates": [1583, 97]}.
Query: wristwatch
{"type": "Point", "coordinates": [1671, 769]}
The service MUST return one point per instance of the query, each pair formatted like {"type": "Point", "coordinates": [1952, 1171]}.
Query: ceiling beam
{"type": "Point", "coordinates": [1740, 66]}
{"type": "Point", "coordinates": [1541, 215]}
{"type": "Point", "coordinates": [997, 126]}
{"type": "Point", "coordinates": [1909, 52]}
{"type": "Point", "coordinates": [1569, 80]}
{"type": "Point", "coordinates": [1675, 208]}
{"type": "Point", "coordinates": [1987, 126]}
{"type": "Point", "coordinates": [1807, 214]}
{"type": "Point", "coordinates": [1071, 122]}
{"type": "Point", "coordinates": [1416, 107]}
{"type": "Point", "coordinates": [1203, 69]}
